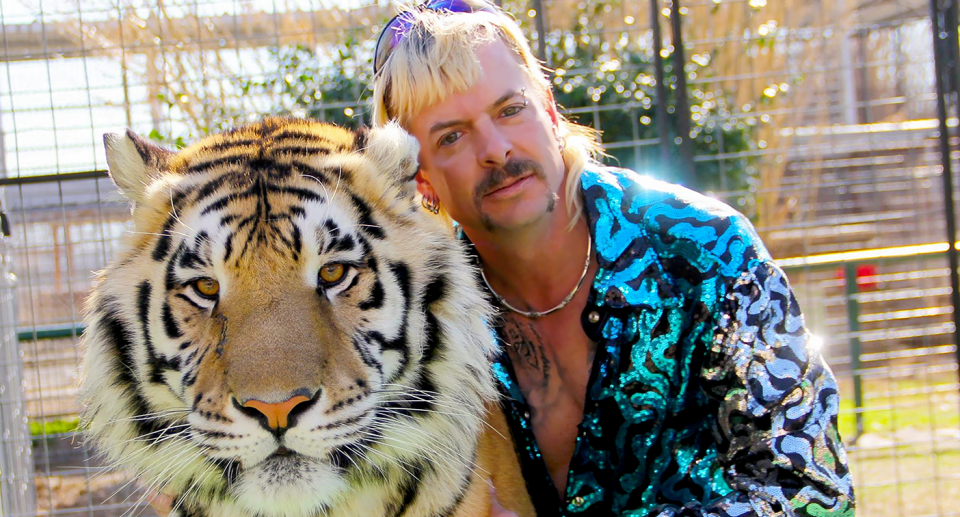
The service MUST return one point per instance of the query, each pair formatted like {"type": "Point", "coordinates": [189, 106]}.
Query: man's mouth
{"type": "Point", "coordinates": [504, 187]}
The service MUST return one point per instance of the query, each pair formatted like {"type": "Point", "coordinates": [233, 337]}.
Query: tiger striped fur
{"type": "Point", "coordinates": [224, 367]}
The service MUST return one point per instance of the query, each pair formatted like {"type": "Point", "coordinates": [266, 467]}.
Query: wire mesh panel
{"type": "Point", "coordinates": [16, 460]}
{"type": "Point", "coordinates": [817, 119]}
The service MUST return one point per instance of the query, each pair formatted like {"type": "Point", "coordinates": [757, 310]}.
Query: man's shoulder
{"type": "Point", "coordinates": [677, 221]}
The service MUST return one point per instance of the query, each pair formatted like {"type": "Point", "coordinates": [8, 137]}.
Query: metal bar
{"type": "Point", "coordinates": [541, 22]}
{"type": "Point", "coordinates": [52, 178]}
{"type": "Point", "coordinates": [853, 326]}
{"type": "Point", "coordinates": [952, 19]}
{"type": "Point", "coordinates": [940, 58]}
{"type": "Point", "coordinates": [663, 127]}
{"type": "Point", "coordinates": [51, 332]}
{"type": "Point", "coordinates": [686, 176]}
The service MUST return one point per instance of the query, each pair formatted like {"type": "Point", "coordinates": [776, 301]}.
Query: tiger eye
{"type": "Point", "coordinates": [332, 273]}
{"type": "Point", "coordinates": [207, 286]}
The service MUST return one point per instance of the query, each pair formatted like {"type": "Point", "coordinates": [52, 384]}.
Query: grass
{"type": "Point", "coordinates": [906, 482]}
{"type": "Point", "coordinates": [907, 461]}
{"type": "Point", "coordinates": [39, 429]}
{"type": "Point", "coordinates": [893, 405]}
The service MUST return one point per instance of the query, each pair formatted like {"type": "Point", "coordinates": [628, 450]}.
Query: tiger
{"type": "Point", "coordinates": [285, 333]}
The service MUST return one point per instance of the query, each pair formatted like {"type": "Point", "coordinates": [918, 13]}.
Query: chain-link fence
{"type": "Point", "coordinates": [818, 119]}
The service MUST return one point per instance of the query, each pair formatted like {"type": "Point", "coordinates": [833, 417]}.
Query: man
{"type": "Point", "coordinates": [655, 361]}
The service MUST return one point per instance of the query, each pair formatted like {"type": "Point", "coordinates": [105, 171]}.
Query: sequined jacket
{"type": "Point", "coordinates": [705, 397]}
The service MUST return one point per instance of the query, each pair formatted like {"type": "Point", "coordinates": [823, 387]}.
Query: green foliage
{"type": "Point", "coordinates": [46, 428]}
{"type": "Point", "coordinates": [617, 77]}
{"type": "Point", "coordinates": [177, 141]}
{"type": "Point", "coordinates": [607, 82]}
{"type": "Point", "coordinates": [331, 88]}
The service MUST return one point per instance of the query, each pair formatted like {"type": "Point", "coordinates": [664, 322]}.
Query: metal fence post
{"type": "Point", "coordinates": [17, 493]}
{"type": "Point", "coordinates": [663, 123]}
{"type": "Point", "coordinates": [853, 327]}
{"type": "Point", "coordinates": [686, 175]}
{"type": "Point", "coordinates": [942, 27]}
{"type": "Point", "coordinates": [541, 24]}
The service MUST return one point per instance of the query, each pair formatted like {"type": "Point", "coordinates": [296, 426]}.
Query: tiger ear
{"type": "Point", "coordinates": [134, 162]}
{"type": "Point", "coordinates": [394, 154]}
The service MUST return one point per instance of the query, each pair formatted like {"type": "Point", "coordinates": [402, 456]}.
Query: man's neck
{"type": "Point", "coordinates": [536, 267]}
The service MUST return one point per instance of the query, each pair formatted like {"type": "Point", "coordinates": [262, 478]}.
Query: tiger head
{"type": "Point", "coordinates": [284, 327]}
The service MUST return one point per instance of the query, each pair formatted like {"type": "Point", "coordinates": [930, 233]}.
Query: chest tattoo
{"type": "Point", "coordinates": [527, 348]}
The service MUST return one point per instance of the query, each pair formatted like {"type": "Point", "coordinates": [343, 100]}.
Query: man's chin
{"type": "Point", "coordinates": [289, 486]}
{"type": "Point", "coordinates": [517, 215]}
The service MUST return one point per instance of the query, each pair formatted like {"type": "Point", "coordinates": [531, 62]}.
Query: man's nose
{"type": "Point", "coordinates": [494, 146]}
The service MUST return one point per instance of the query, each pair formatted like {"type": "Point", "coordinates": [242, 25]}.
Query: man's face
{"type": "Point", "coordinates": [491, 153]}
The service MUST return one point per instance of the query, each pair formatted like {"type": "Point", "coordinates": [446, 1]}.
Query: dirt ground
{"type": "Point", "coordinates": [99, 494]}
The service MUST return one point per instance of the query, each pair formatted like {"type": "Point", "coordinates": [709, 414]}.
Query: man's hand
{"type": "Point", "coordinates": [162, 503]}
{"type": "Point", "coordinates": [495, 509]}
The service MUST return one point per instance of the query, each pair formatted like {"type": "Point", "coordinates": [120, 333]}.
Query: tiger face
{"type": "Point", "coordinates": [285, 333]}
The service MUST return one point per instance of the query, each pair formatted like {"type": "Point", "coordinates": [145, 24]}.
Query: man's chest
{"type": "Point", "coordinates": [552, 365]}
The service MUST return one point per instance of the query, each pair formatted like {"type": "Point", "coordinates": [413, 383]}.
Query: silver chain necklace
{"type": "Point", "coordinates": [562, 304]}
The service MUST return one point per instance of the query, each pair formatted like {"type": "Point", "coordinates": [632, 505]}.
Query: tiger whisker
{"type": "Point", "coordinates": [147, 416]}
{"type": "Point", "coordinates": [444, 448]}
{"type": "Point", "coordinates": [177, 460]}
{"type": "Point", "coordinates": [399, 462]}
{"type": "Point", "coordinates": [152, 441]}
{"type": "Point", "coordinates": [176, 216]}
{"type": "Point", "coordinates": [396, 410]}
{"type": "Point", "coordinates": [349, 457]}
{"type": "Point", "coordinates": [151, 488]}
{"type": "Point", "coordinates": [438, 456]}
{"type": "Point", "coordinates": [440, 400]}
{"type": "Point", "coordinates": [166, 233]}
{"type": "Point", "coordinates": [186, 495]}
{"type": "Point", "coordinates": [146, 447]}
{"type": "Point", "coordinates": [366, 459]}
{"type": "Point", "coordinates": [456, 407]}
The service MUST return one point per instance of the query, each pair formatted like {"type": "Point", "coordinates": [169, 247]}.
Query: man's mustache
{"type": "Point", "coordinates": [514, 168]}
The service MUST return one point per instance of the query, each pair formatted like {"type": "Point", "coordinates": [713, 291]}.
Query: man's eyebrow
{"type": "Point", "coordinates": [439, 126]}
{"type": "Point", "coordinates": [507, 96]}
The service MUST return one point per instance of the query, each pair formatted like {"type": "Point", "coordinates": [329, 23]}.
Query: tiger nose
{"type": "Point", "coordinates": [277, 414]}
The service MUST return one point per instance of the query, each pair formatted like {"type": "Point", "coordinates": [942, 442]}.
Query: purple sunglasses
{"type": "Point", "coordinates": [398, 26]}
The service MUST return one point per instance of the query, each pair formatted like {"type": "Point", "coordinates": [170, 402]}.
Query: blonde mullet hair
{"type": "Point", "coordinates": [436, 58]}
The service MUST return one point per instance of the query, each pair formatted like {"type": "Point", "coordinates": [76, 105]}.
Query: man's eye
{"type": "Point", "coordinates": [449, 138]}
{"type": "Point", "coordinates": [510, 111]}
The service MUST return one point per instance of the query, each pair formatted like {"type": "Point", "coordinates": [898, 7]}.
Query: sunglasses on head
{"type": "Point", "coordinates": [398, 26]}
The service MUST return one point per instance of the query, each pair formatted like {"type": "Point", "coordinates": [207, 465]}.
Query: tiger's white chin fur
{"type": "Point", "coordinates": [289, 486]}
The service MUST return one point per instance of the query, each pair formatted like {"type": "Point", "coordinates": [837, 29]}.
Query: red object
{"type": "Point", "coordinates": [867, 277]}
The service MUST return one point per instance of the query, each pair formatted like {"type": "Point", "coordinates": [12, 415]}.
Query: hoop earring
{"type": "Point", "coordinates": [561, 140]}
{"type": "Point", "coordinates": [431, 204]}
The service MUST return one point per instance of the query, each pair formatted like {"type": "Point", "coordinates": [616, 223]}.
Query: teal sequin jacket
{"type": "Point", "coordinates": [705, 398]}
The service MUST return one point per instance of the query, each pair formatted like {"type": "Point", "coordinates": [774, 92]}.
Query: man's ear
{"type": "Point", "coordinates": [394, 153]}
{"type": "Point", "coordinates": [424, 187]}
{"type": "Point", "coordinates": [134, 162]}
{"type": "Point", "coordinates": [551, 107]}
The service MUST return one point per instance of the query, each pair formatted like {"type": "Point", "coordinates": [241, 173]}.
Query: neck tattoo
{"type": "Point", "coordinates": [563, 303]}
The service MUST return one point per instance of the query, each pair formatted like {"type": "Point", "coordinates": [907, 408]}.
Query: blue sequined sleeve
{"type": "Point", "coordinates": [777, 429]}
